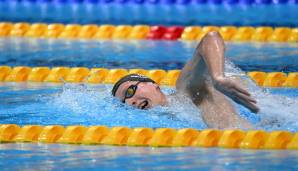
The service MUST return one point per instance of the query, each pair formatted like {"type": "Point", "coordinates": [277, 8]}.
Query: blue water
{"type": "Point", "coordinates": [69, 104]}
{"type": "Point", "coordinates": [72, 104]}
{"type": "Point", "coordinates": [86, 105]}
{"type": "Point", "coordinates": [251, 56]}
{"type": "Point", "coordinates": [73, 157]}
{"type": "Point", "coordinates": [238, 14]}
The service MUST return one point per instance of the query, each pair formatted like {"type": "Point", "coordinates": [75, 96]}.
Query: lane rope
{"type": "Point", "coordinates": [110, 76]}
{"type": "Point", "coordinates": [139, 32]}
{"type": "Point", "coordinates": [160, 137]}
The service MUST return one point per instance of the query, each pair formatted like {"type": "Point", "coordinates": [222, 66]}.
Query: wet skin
{"type": "Point", "coordinates": [202, 80]}
{"type": "Point", "coordinates": [146, 96]}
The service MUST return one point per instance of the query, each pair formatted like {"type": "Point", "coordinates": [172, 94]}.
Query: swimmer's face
{"type": "Point", "coordinates": [146, 95]}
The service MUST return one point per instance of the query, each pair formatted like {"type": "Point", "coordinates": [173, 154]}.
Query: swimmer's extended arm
{"type": "Point", "coordinates": [208, 60]}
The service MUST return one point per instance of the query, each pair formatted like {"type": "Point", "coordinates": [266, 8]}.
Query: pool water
{"type": "Point", "coordinates": [124, 12]}
{"type": "Point", "coordinates": [76, 157]}
{"type": "Point", "coordinates": [72, 104]}
{"type": "Point", "coordinates": [86, 104]}
{"type": "Point", "coordinates": [252, 56]}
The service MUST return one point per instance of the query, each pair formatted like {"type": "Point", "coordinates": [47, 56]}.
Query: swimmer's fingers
{"type": "Point", "coordinates": [229, 85]}
{"type": "Point", "coordinates": [242, 93]}
{"type": "Point", "coordinates": [245, 96]}
{"type": "Point", "coordinates": [246, 101]}
{"type": "Point", "coordinates": [252, 107]}
{"type": "Point", "coordinates": [238, 94]}
{"type": "Point", "coordinates": [241, 90]}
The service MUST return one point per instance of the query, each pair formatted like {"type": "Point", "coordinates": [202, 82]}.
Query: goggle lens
{"type": "Point", "coordinates": [130, 92]}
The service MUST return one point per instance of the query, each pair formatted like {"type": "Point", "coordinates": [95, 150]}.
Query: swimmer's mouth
{"type": "Point", "coordinates": [144, 105]}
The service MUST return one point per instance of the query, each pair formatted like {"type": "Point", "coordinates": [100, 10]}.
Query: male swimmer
{"type": "Point", "coordinates": [202, 80]}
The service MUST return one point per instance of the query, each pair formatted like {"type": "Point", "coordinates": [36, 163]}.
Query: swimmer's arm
{"type": "Point", "coordinates": [208, 60]}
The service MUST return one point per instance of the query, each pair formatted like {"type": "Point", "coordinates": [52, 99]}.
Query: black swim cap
{"type": "Point", "coordinates": [130, 77]}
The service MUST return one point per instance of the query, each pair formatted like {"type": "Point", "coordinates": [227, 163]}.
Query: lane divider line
{"type": "Point", "coordinates": [160, 137]}
{"type": "Point", "coordinates": [110, 76]}
{"type": "Point", "coordinates": [138, 32]}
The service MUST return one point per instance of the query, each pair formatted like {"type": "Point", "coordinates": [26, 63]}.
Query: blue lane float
{"type": "Point", "coordinates": [153, 12]}
{"type": "Point", "coordinates": [159, 1]}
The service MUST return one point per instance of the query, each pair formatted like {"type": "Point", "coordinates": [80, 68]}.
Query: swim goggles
{"type": "Point", "coordinates": [130, 77]}
{"type": "Point", "coordinates": [130, 91]}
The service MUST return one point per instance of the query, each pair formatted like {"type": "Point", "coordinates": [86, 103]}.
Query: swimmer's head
{"type": "Point", "coordinates": [139, 91]}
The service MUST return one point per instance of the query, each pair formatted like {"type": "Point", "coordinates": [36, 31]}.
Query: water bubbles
{"type": "Point", "coordinates": [278, 112]}
{"type": "Point", "coordinates": [94, 105]}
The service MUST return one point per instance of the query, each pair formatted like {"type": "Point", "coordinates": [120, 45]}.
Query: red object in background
{"type": "Point", "coordinates": [173, 33]}
{"type": "Point", "coordinates": [156, 32]}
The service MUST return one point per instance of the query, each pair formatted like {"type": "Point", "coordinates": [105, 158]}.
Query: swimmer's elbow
{"type": "Point", "coordinates": [211, 39]}
{"type": "Point", "coordinates": [213, 35]}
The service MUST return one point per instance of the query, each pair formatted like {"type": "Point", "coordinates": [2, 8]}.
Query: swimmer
{"type": "Point", "coordinates": [202, 80]}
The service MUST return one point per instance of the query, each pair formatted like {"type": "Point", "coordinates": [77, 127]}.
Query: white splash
{"type": "Point", "coordinates": [95, 105]}
{"type": "Point", "coordinates": [277, 111]}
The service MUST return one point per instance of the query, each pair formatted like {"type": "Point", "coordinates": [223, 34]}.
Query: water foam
{"type": "Point", "coordinates": [94, 105]}
{"type": "Point", "coordinates": [89, 105]}
{"type": "Point", "coordinates": [278, 112]}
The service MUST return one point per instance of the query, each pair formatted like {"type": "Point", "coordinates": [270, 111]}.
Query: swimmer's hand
{"type": "Point", "coordinates": [231, 89]}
